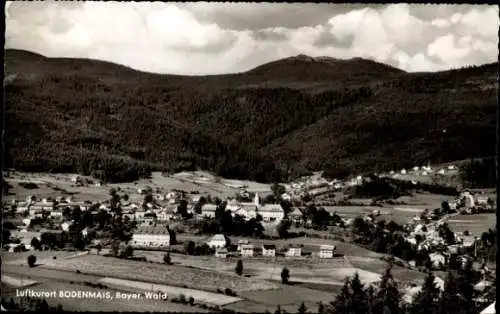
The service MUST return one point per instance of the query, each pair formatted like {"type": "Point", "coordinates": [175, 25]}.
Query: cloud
{"type": "Point", "coordinates": [270, 34]}
{"type": "Point", "coordinates": [210, 38]}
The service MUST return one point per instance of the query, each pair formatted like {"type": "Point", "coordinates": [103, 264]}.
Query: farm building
{"type": "Point", "coordinates": [208, 210]}
{"type": "Point", "coordinates": [247, 250]}
{"type": "Point", "coordinates": [326, 251]}
{"type": "Point", "coordinates": [221, 252]}
{"type": "Point", "coordinates": [218, 241]}
{"type": "Point", "coordinates": [294, 251]}
{"type": "Point", "coordinates": [269, 250]}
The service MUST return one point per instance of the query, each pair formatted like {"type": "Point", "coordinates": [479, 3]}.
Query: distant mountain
{"type": "Point", "coordinates": [288, 116]}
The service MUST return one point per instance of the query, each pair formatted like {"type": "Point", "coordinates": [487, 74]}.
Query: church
{"type": "Point", "coordinates": [249, 210]}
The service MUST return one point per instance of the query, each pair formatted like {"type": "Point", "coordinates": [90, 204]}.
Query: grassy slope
{"type": "Point", "coordinates": [303, 114]}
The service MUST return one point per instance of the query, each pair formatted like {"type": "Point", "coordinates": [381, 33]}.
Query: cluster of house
{"type": "Point", "coordinates": [244, 248]}
{"type": "Point", "coordinates": [81, 181]}
{"type": "Point", "coordinates": [317, 186]}
{"type": "Point", "coordinates": [469, 203]}
{"type": "Point", "coordinates": [53, 207]}
{"type": "Point", "coordinates": [427, 237]}
{"type": "Point", "coordinates": [423, 171]}
{"type": "Point", "coordinates": [268, 212]}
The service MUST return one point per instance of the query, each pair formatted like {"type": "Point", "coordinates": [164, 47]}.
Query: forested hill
{"type": "Point", "coordinates": [289, 116]}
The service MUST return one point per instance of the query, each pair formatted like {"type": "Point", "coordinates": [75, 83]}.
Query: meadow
{"type": "Point", "coordinates": [174, 275]}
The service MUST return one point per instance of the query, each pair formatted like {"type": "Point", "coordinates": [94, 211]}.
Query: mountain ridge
{"type": "Point", "coordinates": [65, 114]}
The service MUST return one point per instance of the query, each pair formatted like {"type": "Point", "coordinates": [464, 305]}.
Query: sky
{"type": "Point", "coordinates": [212, 38]}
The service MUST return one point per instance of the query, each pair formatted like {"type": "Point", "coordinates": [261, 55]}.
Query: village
{"type": "Point", "coordinates": [311, 220]}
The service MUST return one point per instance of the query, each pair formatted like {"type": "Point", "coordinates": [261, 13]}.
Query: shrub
{"type": "Point", "coordinates": [31, 260]}
{"type": "Point", "coordinates": [182, 298]}
{"type": "Point", "coordinates": [239, 268]}
{"type": "Point", "coordinates": [285, 276]}
{"type": "Point", "coordinates": [166, 259]}
{"type": "Point", "coordinates": [191, 301]}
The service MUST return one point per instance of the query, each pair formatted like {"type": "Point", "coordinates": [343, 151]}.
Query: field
{"type": "Point", "coordinates": [475, 224]}
{"type": "Point", "coordinates": [17, 282]}
{"type": "Point", "coordinates": [408, 208]}
{"type": "Point", "coordinates": [53, 185]}
{"type": "Point", "coordinates": [198, 295]}
{"type": "Point", "coordinates": [157, 273]}
{"type": "Point", "coordinates": [20, 258]}
{"type": "Point", "coordinates": [323, 273]}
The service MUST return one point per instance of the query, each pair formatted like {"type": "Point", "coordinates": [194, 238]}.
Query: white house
{"type": "Point", "coordinates": [294, 251]}
{"type": "Point", "coordinates": [403, 171]}
{"type": "Point", "coordinates": [218, 241]}
{"type": "Point", "coordinates": [482, 200]}
{"type": "Point", "coordinates": [269, 250]}
{"type": "Point", "coordinates": [295, 215]}
{"type": "Point", "coordinates": [468, 199]}
{"type": "Point", "coordinates": [437, 260]}
{"type": "Point", "coordinates": [221, 252]}
{"type": "Point", "coordinates": [272, 212]}
{"type": "Point", "coordinates": [208, 210]}
{"type": "Point", "coordinates": [240, 243]}
{"type": "Point", "coordinates": [247, 250]}
{"type": "Point", "coordinates": [65, 225]}
{"type": "Point", "coordinates": [326, 251]}
{"type": "Point", "coordinates": [490, 309]}
{"type": "Point", "coordinates": [150, 240]}
{"type": "Point", "coordinates": [195, 198]}
{"type": "Point", "coordinates": [247, 211]}
{"type": "Point", "coordinates": [56, 213]}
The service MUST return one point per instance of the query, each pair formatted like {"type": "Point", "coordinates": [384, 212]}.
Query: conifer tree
{"type": "Point", "coordinates": [278, 310]}
{"type": "Point", "coordinates": [341, 304]}
{"type": "Point", "coordinates": [302, 308]}
{"type": "Point", "coordinates": [359, 301]}
{"type": "Point", "coordinates": [451, 301]}
{"type": "Point", "coordinates": [388, 297]}
{"type": "Point", "coordinates": [466, 278]}
{"type": "Point", "coordinates": [239, 268]}
{"type": "Point", "coordinates": [321, 308]}
{"type": "Point", "coordinates": [427, 300]}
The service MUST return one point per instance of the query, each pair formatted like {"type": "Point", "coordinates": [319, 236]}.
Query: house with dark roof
{"type": "Point", "coordinates": [269, 250]}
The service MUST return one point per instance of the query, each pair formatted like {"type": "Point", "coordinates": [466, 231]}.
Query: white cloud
{"type": "Point", "coordinates": [189, 38]}
{"type": "Point", "coordinates": [441, 23]}
{"type": "Point", "coordinates": [455, 18]}
{"type": "Point", "coordinates": [482, 23]}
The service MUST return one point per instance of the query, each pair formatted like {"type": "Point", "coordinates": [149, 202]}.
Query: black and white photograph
{"type": "Point", "coordinates": [249, 157]}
